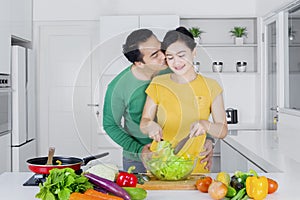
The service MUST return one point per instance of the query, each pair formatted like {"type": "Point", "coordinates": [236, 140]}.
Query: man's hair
{"type": "Point", "coordinates": [179, 34]}
{"type": "Point", "coordinates": [131, 46]}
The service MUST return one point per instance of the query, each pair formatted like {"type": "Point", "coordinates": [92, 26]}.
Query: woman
{"type": "Point", "coordinates": [180, 103]}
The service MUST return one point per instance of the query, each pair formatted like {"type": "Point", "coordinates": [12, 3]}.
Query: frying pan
{"type": "Point", "coordinates": [38, 165]}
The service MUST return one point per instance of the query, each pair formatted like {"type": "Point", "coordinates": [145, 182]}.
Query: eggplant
{"type": "Point", "coordinates": [108, 185]}
{"type": "Point", "coordinates": [236, 183]}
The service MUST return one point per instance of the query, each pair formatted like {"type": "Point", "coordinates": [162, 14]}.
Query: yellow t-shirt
{"type": "Point", "coordinates": [179, 105]}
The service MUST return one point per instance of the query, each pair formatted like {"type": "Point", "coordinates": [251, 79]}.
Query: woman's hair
{"type": "Point", "coordinates": [131, 46]}
{"type": "Point", "coordinates": [179, 34]}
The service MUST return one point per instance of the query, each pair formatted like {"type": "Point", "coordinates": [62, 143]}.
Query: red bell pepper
{"type": "Point", "coordinates": [127, 179]}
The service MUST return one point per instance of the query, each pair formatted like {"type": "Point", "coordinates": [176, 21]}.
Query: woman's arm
{"type": "Point", "coordinates": [218, 128]}
{"type": "Point", "coordinates": [147, 125]}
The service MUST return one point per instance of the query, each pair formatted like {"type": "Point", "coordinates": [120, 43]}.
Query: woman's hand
{"type": "Point", "coordinates": [154, 131]}
{"type": "Point", "coordinates": [199, 127]}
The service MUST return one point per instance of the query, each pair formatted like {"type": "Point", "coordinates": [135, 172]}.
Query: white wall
{"type": "Point", "coordinates": [92, 9]}
{"type": "Point", "coordinates": [264, 7]}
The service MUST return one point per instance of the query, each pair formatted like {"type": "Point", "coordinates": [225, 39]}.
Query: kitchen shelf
{"type": "Point", "coordinates": [228, 73]}
{"type": "Point", "coordinates": [294, 45]}
{"type": "Point", "coordinates": [226, 45]}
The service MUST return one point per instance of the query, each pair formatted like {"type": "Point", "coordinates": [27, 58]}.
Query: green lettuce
{"type": "Point", "coordinates": [61, 183]}
{"type": "Point", "coordinates": [165, 165]}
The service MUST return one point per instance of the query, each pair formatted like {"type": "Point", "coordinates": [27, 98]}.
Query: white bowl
{"type": "Point", "coordinates": [241, 68]}
{"type": "Point", "coordinates": [217, 68]}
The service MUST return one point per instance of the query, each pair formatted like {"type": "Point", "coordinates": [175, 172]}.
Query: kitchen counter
{"type": "Point", "coordinates": [12, 189]}
{"type": "Point", "coordinates": [261, 147]}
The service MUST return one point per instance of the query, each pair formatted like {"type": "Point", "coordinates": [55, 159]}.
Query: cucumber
{"type": "Point", "coordinates": [136, 193]}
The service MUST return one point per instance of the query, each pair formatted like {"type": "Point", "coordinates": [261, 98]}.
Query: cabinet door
{"type": "Point", "coordinates": [231, 160]}
{"type": "Point", "coordinates": [31, 95]}
{"type": "Point", "coordinates": [5, 153]}
{"type": "Point", "coordinates": [159, 24]}
{"type": "Point", "coordinates": [21, 19]}
{"type": "Point", "coordinates": [5, 37]}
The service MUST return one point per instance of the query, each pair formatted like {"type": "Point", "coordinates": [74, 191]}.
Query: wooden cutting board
{"type": "Point", "coordinates": [155, 184]}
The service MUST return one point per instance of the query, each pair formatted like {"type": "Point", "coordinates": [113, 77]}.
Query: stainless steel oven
{"type": "Point", "coordinates": [5, 103]}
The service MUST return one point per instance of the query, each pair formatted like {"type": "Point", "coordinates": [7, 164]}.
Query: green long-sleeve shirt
{"type": "Point", "coordinates": [125, 98]}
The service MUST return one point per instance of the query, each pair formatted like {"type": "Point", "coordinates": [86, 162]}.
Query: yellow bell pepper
{"type": "Point", "coordinates": [257, 187]}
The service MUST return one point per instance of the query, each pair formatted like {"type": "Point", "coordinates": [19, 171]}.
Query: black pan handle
{"type": "Point", "coordinates": [88, 159]}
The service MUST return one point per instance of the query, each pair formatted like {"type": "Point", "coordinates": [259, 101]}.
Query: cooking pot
{"type": "Point", "coordinates": [38, 165]}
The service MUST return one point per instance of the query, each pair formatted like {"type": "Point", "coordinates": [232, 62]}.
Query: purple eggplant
{"type": "Point", "coordinates": [108, 185]}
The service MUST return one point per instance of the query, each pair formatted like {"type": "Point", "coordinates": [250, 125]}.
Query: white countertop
{"type": "Point", "coordinates": [11, 188]}
{"type": "Point", "coordinates": [259, 146]}
{"type": "Point", "coordinates": [264, 148]}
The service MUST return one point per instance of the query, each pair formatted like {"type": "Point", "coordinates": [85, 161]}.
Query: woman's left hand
{"type": "Point", "coordinates": [198, 128]}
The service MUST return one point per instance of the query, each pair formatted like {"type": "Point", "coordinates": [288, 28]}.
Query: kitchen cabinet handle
{"type": "Point", "coordinates": [93, 105]}
{"type": "Point", "coordinates": [275, 109]}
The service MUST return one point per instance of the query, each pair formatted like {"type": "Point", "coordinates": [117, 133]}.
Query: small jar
{"type": "Point", "coordinates": [217, 66]}
{"type": "Point", "coordinates": [197, 66]}
{"type": "Point", "coordinates": [241, 66]}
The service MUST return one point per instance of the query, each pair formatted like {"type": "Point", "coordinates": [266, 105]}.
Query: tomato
{"type": "Point", "coordinates": [272, 186]}
{"type": "Point", "coordinates": [217, 190]}
{"type": "Point", "coordinates": [202, 184]}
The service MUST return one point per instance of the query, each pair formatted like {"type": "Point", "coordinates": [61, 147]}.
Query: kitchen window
{"type": "Point", "coordinates": [293, 102]}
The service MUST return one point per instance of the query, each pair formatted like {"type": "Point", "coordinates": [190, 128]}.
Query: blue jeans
{"type": "Point", "coordinates": [139, 167]}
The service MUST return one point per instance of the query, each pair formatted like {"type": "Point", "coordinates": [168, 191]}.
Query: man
{"type": "Point", "coordinates": [125, 98]}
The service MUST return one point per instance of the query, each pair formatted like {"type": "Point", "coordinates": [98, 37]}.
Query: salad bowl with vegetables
{"type": "Point", "coordinates": [165, 165]}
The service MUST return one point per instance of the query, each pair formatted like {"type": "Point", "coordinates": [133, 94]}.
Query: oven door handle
{"type": "Point", "coordinates": [2, 90]}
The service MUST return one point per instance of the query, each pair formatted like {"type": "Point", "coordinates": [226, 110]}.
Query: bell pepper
{"type": "Point", "coordinates": [256, 187]}
{"type": "Point", "coordinates": [127, 179]}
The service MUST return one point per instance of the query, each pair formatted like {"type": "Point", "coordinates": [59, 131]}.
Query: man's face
{"type": "Point", "coordinates": [153, 58]}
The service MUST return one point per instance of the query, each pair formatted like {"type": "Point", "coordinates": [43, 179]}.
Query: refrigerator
{"type": "Point", "coordinates": [23, 144]}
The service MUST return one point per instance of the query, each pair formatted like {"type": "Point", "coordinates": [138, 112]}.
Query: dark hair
{"type": "Point", "coordinates": [131, 46]}
{"type": "Point", "coordinates": [179, 34]}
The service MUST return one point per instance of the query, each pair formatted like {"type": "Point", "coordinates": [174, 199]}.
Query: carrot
{"type": "Point", "coordinates": [100, 195]}
{"type": "Point", "coordinates": [79, 196]}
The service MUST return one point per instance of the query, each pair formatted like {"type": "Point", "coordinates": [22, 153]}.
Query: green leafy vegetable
{"type": "Point", "coordinates": [165, 165]}
{"type": "Point", "coordinates": [61, 183]}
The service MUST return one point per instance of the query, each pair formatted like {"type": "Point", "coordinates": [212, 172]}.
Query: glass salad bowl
{"type": "Point", "coordinates": [165, 165]}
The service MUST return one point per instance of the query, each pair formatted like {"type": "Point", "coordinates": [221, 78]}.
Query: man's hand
{"type": "Point", "coordinates": [146, 152]}
{"type": "Point", "coordinates": [208, 154]}
{"type": "Point", "coordinates": [146, 149]}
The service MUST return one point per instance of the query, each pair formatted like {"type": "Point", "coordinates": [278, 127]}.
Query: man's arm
{"type": "Point", "coordinates": [113, 110]}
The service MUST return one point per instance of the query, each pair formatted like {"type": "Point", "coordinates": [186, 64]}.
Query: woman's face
{"type": "Point", "coordinates": [180, 58]}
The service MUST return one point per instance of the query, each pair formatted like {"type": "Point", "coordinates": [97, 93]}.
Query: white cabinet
{"type": "Point", "coordinates": [113, 26]}
{"type": "Point", "coordinates": [159, 24]}
{"type": "Point", "coordinates": [21, 19]}
{"type": "Point", "coordinates": [232, 160]}
{"type": "Point", "coordinates": [5, 36]}
{"type": "Point", "coordinates": [5, 153]}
